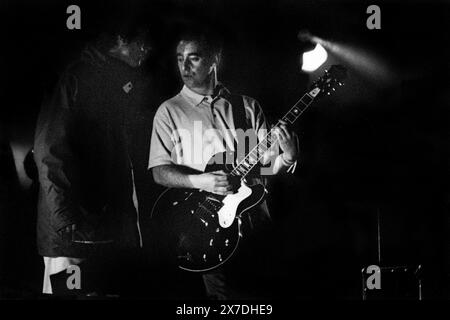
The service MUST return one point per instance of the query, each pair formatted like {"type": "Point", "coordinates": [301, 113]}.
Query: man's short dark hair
{"type": "Point", "coordinates": [127, 21]}
{"type": "Point", "coordinates": [204, 35]}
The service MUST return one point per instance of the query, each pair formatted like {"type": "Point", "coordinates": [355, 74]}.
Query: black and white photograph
{"type": "Point", "coordinates": [224, 155]}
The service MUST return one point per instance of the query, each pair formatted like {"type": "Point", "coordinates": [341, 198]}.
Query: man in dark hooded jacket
{"type": "Point", "coordinates": [87, 153]}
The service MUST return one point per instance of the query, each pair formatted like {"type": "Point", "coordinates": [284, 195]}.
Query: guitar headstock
{"type": "Point", "coordinates": [330, 80]}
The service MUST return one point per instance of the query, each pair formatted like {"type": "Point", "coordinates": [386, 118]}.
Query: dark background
{"type": "Point", "coordinates": [378, 147]}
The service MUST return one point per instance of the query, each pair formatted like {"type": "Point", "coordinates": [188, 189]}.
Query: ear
{"type": "Point", "coordinates": [215, 63]}
{"type": "Point", "coordinates": [217, 57]}
{"type": "Point", "coordinates": [213, 67]}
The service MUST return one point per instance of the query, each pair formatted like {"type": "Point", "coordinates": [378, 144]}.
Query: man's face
{"type": "Point", "coordinates": [195, 65]}
{"type": "Point", "coordinates": [138, 51]}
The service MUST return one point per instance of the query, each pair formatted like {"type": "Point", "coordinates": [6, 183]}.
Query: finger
{"type": "Point", "coordinates": [226, 188]}
{"type": "Point", "coordinates": [222, 184]}
{"type": "Point", "coordinates": [220, 172]}
{"type": "Point", "coordinates": [285, 130]}
{"type": "Point", "coordinates": [280, 134]}
{"type": "Point", "coordinates": [277, 132]}
{"type": "Point", "coordinates": [221, 178]}
{"type": "Point", "coordinates": [222, 191]}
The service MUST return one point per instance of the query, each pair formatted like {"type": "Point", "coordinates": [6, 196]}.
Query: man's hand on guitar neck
{"type": "Point", "coordinates": [218, 182]}
{"type": "Point", "coordinates": [288, 141]}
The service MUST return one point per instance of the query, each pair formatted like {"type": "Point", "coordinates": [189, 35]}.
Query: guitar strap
{"type": "Point", "coordinates": [239, 118]}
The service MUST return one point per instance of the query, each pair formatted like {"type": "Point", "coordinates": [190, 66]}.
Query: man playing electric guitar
{"type": "Point", "coordinates": [200, 122]}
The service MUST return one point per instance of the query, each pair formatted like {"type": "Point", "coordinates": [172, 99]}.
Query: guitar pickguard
{"type": "Point", "coordinates": [230, 205]}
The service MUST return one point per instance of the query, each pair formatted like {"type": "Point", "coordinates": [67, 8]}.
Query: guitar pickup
{"type": "Point", "coordinates": [205, 208]}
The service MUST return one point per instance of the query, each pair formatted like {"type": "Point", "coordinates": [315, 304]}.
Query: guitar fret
{"type": "Point", "coordinates": [290, 118]}
{"type": "Point", "coordinates": [308, 98]}
{"type": "Point", "coordinates": [295, 111]}
{"type": "Point", "coordinates": [238, 168]}
{"type": "Point", "coordinates": [242, 170]}
{"type": "Point", "coordinates": [252, 153]}
{"type": "Point", "coordinates": [245, 164]}
{"type": "Point", "coordinates": [245, 171]}
{"type": "Point", "coordinates": [261, 151]}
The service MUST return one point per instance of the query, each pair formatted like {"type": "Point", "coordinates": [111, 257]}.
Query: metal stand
{"type": "Point", "coordinates": [397, 279]}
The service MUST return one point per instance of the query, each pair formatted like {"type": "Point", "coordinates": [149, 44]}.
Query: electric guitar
{"type": "Point", "coordinates": [204, 229]}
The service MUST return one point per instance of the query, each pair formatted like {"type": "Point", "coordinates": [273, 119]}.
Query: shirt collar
{"type": "Point", "coordinates": [196, 98]}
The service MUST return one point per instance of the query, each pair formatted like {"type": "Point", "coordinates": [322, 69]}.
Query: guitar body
{"type": "Point", "coordinates": [203, 229]}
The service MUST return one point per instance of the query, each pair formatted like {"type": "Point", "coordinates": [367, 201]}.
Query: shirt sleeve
{"type": "Point", "coordinates": [53, 155]}
{"type": "Point", "coordinates": [162, 143]}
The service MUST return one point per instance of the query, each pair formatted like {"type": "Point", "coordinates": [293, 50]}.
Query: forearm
{"type": "Point", "coordinates": [176, 176]}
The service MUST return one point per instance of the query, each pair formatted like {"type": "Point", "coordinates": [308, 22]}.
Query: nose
{"type": "Point", "coordinates": [185, 65]}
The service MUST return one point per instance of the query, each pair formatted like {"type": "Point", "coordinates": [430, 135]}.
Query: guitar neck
{"type": "Point", "coordinates": [256, 154]}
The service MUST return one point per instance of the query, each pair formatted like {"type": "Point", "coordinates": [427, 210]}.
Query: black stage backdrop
{"type": "Point", "coordinates": [377, 149]}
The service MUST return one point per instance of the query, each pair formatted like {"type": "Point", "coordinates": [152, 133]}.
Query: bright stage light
{"type": "Point", "coordinates": [313, 59]}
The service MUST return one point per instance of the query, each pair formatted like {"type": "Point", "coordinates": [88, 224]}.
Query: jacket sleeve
{"type": "Point", "coordinates": [53, 154]}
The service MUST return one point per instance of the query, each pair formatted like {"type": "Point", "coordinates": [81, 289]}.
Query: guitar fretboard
{"type": "Point", "coordinates": [256, 154]}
